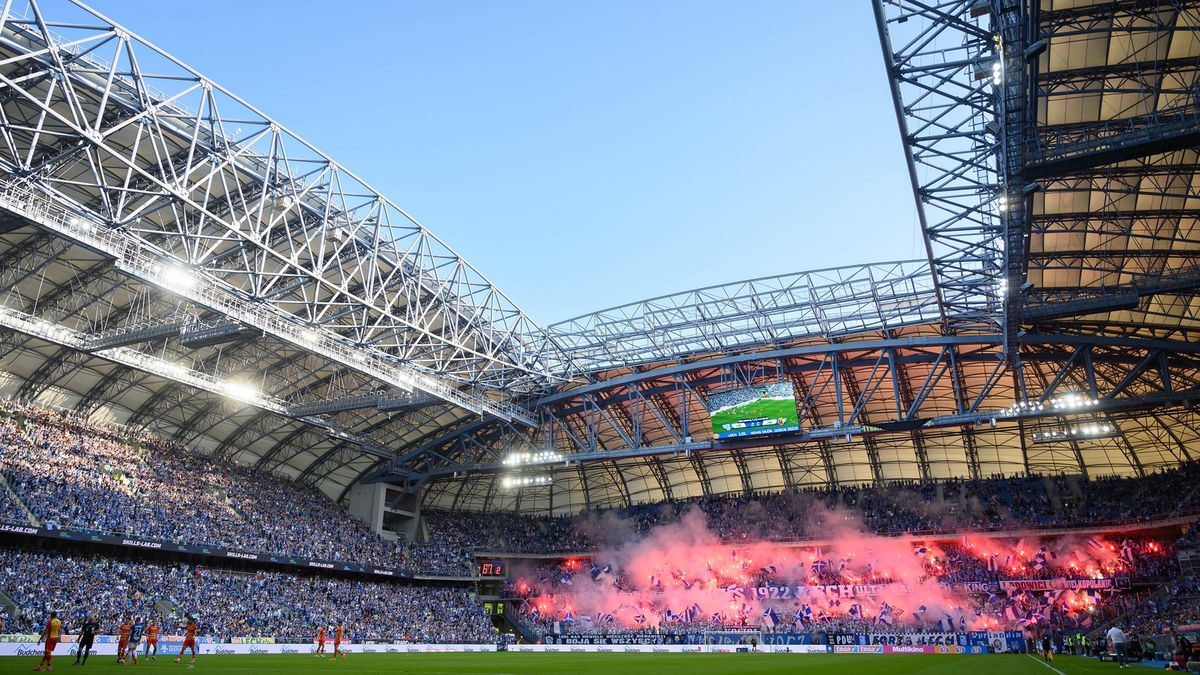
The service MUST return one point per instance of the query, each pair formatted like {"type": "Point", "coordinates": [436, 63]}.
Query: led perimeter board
{"type": "Point", "coordinates": [753, 411]}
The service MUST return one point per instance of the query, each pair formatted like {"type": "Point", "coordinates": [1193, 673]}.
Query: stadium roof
{"type": "Point", "coordinates": [174, 258]}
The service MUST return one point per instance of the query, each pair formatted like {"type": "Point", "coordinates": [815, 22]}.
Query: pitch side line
{"type": "Point", "coordinates": [1037, 660]}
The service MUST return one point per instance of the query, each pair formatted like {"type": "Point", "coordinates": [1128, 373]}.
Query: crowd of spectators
{"type": "Point", "coordinates": [1173, 605]}
{"type": "Point", "coordinates": [74, 474]}
{"type": "Point", "coordinates": [506, 532]}
{"type": "Point", "coordinates": [967, 571]}
{"type": "Point", "coordinates": [1141, 560]}
{"type": "Point", "coordinates": [993, 504]}
{"type": "Point", "coordinates": [233, 603]}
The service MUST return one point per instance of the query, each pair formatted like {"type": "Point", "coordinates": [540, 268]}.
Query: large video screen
{"type": "Point", "coordinates": [753, 411]}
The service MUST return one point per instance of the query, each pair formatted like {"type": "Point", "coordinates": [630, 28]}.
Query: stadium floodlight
{"type": "Point", "coordinates": [1077, 432]}
{"type": "Point", "coordinates": [522, 481]}
{"type": "Point", "coordinates": [80, 223]}
{"type": "Point", "coordinates": [997, 74]}
{"type": "Point", "coordinates": [310, 337]}
{"type": "Point", "coordinates": [242, 391]}
{"type": "Point", "coordinates": [1073, 402]}
{"type": "Point", "coordinates": [1067, 403]}
{"type": "Point", "coordinates": [177, 279]}
{"type": "Point", "coordinates": [540, 457]}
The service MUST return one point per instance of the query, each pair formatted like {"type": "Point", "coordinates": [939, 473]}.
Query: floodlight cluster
{"type": "Point", "coordinates": [241, 391]}
{"type": "Point", "coordinates": [177, 278]}
{"type": "Point", "coordinates": [81, 224]}
{"type": "Point", "coordinates": [1077, 431]}
{"type": "Point", "coordinates": [1073, 402]}
{"type": "Point", "coordinates": [236, 389]}
{"type": "Point", "coordinates": [516, 482]}
{"type": "Point", "coordinates": [1063, 404]}
{"type": "Point", "coordinates": [540, 457]}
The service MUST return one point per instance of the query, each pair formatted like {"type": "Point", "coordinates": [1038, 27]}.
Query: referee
{"type": "Point", "coordinates": [87, 635]}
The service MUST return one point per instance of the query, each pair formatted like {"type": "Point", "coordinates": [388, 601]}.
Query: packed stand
{"type": "Point", "coordinates": [75, 474]}
{"type": "Point", "coordinates": [229, 603]}
{"type": "Point", "coordinates": [667, 584]}
{"type": "Point", "coordinates": [505, 532]}
{"type": "Point", "coordinates": [993, 504]}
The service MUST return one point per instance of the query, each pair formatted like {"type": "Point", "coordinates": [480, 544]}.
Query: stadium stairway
{"type": "Point", "coordinates": [16, 499]}
{"type": "Point", "coordinates": [1056, 501]}
{"type": "Point", "coordinates": [224, 497]}
{"type": "Point", "coordinates": [1187, 501]}
{"type": "Point", "coordinates": [962, 498]}
{"type": "Point", "coordinates": [527, 633]}
{"type": "Point", "coordinates": [9, 605]}
{"type": "Point", "coordinates": [164, 607]}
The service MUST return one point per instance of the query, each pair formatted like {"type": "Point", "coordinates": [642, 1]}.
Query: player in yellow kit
{"type": "Point", "coordinates": [189, 640]}
{"type": "Point", "coordinates": [152, 639]}
{"type": "Point", "coordinates": [50, 634]}
{"type": "Point", "coordinates": [339, 633]}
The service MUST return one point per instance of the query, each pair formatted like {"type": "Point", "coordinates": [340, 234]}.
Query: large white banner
{"type": "Point", "coordinates": [672, 649]}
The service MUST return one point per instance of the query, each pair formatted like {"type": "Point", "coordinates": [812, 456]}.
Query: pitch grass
{"type": "Point", "coordinates": [769, 407]}
{"type": "Point", "coordinates": [587, 664]}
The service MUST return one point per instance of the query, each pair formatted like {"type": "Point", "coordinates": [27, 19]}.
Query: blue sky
{"type": "Point", "coordinates": [584, 154]}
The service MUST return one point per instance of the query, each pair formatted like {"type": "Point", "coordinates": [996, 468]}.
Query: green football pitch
{"type": "Point", "coordinates": [766, 407]}
{"type": "Point", "coordinates": [606, 664]}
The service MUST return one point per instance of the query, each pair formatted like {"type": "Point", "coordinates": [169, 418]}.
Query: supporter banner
{"type": "Point", "coordinates": [18, 638]}
{"type": "Point", "coordinates": [150, 544]}
{"type": "Point", "coordinates": [730, 637]}
{"type": "Point", "coordinates": [871, 590]}
{"type": "Point", "coordinates": [973, 586]}
{"type": "Point", "coordinates": [619, 639]}
{"type": "Point", "coordinates": [929, 639]}
{"type": "Point", "coordinates": [788, 592]}
{"type": "Point", "coordinates": [669, 649]}
{"type": "Point", "coordinates": [1055, 584]}
{"type": "Point", "coordinates": [253, 640]}
{"type": "Point", "coordinates": [998, 642]}
{"type": "Point", "coordinates": [788, 639]}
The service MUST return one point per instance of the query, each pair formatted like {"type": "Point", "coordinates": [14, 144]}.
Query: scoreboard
{"type": "Point", "coordinates": [492, 568]}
